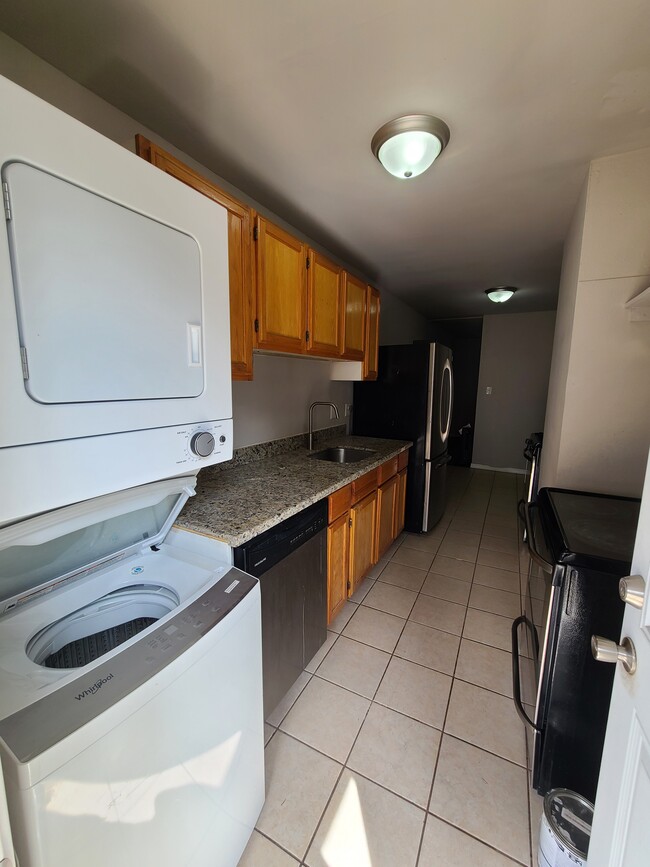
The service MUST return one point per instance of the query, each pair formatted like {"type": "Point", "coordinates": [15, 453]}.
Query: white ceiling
{"type": "Point", "coordinates": [282, 98]}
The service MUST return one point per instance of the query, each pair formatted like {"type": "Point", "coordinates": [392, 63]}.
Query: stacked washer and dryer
{"type": "Point", "coordinates": [131, 725]}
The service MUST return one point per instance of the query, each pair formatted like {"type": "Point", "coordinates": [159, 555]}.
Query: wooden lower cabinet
{"type": "Point", "coordinates": [338, 564]}
{"type": "Point", "coordinates": [386, 505]}
{"type": "Point", "coordinates": [400, 503]}
{"type": "Point", "coordinates": [364, 519]}
{"type": "Point", "coordinates": [363, 516]}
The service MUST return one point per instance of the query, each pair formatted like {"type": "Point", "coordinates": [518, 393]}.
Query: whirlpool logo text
{"type": "Point", "coordinates": [95, 687]}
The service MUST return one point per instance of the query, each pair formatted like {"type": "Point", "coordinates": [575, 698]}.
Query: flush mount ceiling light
{"type": "Point", "coordinates": [408, 145]}
{"type": "Point", "coordinates": [499, 294]}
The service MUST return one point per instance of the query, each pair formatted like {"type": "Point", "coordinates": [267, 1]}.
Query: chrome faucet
{"type": "Point", "coordinates": [311, 417]}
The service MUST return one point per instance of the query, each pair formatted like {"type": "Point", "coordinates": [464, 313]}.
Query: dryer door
{"type": "Point", "coordinates": [108, 299]}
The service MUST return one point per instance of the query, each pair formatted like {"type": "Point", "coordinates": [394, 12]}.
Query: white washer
{"type": "Point", "coordinates": [151, 753]}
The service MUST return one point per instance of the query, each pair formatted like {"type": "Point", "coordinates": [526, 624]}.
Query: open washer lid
{"type": "Point", "coordinates": [38, 554]}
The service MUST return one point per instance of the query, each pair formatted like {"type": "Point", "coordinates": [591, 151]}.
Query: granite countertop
{"type": "Point", "coordinates": [237, 504]}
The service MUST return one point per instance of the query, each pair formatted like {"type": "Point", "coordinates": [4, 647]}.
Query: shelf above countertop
{"type": "Point", "coordinates": [237, 504]}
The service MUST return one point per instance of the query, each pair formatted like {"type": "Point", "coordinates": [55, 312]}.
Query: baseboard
{"type": "Point", "coordinates": [499, 469]}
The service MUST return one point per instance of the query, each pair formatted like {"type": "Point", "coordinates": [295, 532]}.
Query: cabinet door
{"type": "Point", "coordinates": [386, 500]}
{"type": "Point", "coordinates": [324, 307]}
{"type": "Point", "coordinates": [240, 253]}
{"type": "Point", "coordinates": [281, 289]}
{"type": "Point", "coordinates": [362, 539]}
{"type": "Point", "coordinates": [354, 327]}
{"type": "Point", "coordinates": [400, 503]}
{"type": "Point", "coordinates": [338, 550]}
{"type": "Point", "coordinates": [371, 353]}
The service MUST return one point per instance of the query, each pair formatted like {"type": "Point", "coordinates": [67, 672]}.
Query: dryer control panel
{"type": "Point", "coordinates": [207, 440]}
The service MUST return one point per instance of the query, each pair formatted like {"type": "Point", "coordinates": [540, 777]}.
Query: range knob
{"type": "Point", "coordinates": [202, 444]}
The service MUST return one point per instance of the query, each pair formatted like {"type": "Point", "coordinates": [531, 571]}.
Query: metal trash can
{"type": "Point", "coordinates": [565, 829]}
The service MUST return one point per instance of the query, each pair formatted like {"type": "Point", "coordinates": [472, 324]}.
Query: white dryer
{"type": "Point", "coordinates": [131, 727]}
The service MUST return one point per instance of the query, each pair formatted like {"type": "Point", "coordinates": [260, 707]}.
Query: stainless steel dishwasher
{"type": "Point", "coordinates": [290, 561]}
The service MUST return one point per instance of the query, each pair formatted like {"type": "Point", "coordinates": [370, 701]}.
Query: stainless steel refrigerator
{"type": "Point", "coordinates": [412, 399]}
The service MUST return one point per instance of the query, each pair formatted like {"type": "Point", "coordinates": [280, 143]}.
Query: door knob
{"type": "Point", "coordinates": [631, 589]}
{"type": "Point", "coordinates": [604, 650]}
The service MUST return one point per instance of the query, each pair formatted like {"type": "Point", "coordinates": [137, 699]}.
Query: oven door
{"type": "Point", "coordinates": [530, 631]}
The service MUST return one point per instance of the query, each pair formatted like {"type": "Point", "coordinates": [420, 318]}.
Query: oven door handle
{"type": "Point", "coordinates": [530, 541]}
{"type": "Point", "coordinates": [516, 684]}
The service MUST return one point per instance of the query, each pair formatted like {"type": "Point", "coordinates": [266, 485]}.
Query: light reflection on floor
{"type": "Point", "coordinates": [346, 843]}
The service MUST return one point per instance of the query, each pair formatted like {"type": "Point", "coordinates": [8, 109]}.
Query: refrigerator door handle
{"type": "Point", "coordinates": [430, 393]}
{"type": "Point", "coordinates": [444, 432]}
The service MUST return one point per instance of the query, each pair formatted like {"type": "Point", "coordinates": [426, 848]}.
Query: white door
{"type": "Point", "coordinates": [621, 830]}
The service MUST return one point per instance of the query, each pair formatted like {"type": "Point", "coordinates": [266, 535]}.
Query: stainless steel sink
{"type": "Point", "coordinates": [343, 455]}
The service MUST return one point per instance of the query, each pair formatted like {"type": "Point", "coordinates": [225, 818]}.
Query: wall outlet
{"type": "Point", "coordinates": [488, 389]}
{"type": "Point", "coordinates": [348, 409]}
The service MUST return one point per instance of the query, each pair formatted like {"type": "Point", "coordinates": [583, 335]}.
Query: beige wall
{"type": "Point", "coordinates": [515, 362]}
{"type": "Point", "coordinates": [276, 404]}
{"type": "Point", "coordinates": [400, 323]}
{"type": "Point", "coordinates": [600, 431]}
{"type": "Point", "coordinates": [552, 426]}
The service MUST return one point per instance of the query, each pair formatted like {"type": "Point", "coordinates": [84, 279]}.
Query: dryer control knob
{"type": "Point", "coordinates": [202, 444]}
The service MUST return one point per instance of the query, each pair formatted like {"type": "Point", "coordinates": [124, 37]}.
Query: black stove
{"type": "Point", "coordinates": [580, 544]}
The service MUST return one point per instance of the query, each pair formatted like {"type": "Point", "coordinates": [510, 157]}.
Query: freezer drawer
{"type": "Point", "coordinates": [435, 491]}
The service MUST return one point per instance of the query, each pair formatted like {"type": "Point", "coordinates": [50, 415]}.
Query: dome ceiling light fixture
{"type": "Point", "coordinates": [408, 145]}
{"type": "Point", "coordinates": [499, 294]}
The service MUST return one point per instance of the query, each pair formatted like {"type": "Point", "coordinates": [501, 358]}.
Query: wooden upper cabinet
{"type": "Point", "coordinates": [281, 289]}
{"type": "Point", "coordinates": [324, 307]}
{"type": "Point", "coordinates": [354, 325]}
{"type": "Point", "coordinates": [240, 252]}
{"type": "Point", "coordinates": [371, 356]}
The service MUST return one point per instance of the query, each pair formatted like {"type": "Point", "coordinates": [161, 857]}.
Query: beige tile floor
{"type": "Point", "coordinates": [399, 745]}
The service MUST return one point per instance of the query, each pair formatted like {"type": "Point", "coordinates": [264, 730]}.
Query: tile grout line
{"type": "Point", "coordinates": [453, 677]}
{"type": "Point", "coordinates": [344, 764]}
{"type": "Point", "coordinates": [450, 735]}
